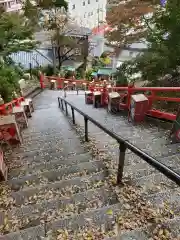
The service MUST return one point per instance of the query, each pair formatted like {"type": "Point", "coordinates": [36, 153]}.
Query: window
{"type": "Point", "coordinates": [73, 6]}
{"type": "Point", "coordinates": [83, 3]}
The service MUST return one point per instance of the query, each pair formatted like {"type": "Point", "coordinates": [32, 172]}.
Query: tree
{"type": "Point", "coordinates": [63, 35]}
{"type": "Point", "coordinates": [127, 20]}
{"type": "Point", "coordinates": [64, 47]}
{"type": "Point", "coordinates": [35, 10]}
{"type": "Point", "coordinates": [9, 77]}
{"type": "Point", "coordinates": [16, 34]}
{"type": "Point", "coordinates": [163, 55]}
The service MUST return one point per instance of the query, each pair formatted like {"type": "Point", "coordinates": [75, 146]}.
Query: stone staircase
{"type": "Point", "coordinates": [62, 191]}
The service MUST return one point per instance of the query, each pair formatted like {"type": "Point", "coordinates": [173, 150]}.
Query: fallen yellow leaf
{"type": "Point", "coordinates": [109, 212]}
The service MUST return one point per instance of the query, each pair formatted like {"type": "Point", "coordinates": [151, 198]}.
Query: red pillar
{"type": "Point", "coordinates": [41, 81]}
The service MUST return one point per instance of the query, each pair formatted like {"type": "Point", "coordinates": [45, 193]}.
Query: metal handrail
{"type": "Point", "coordinates": [123, 145]}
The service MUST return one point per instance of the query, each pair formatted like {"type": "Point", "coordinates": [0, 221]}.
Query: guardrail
{"type": "Point", "coordinates": [123, 145]}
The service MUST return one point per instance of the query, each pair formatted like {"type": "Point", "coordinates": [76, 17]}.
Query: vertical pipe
{"type": "Point", "coordinates": [66, 108]}
{"type": "Point", "coordinates": [86, 129]}
{"type": "Point", "coordinates": [122, 151]}
{"type": "Point", "coordinates": [62, 105]}
{"type": "Point", "coordinates": [59, 102]}
{"type": "Point", "coordinates": [73, 116]}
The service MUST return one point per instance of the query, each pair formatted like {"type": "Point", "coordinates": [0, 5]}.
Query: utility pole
{"type": "Point", "coordinates": [54, 56]}
{"type": "Point", "coordinates": [99, 10]}
{"type": "Point", "coordinates": [98, 17]}
{"type": "Point", "coordinates": [86, 53]}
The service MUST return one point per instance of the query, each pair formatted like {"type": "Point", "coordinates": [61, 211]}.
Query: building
{"type": "Point", "coordinates": [44, 56]}
{"type": "Point", "coordinates": [88, 13]}
{"type": "Point", "coordinates": [11, 5]}
{"type": "Point", "coordinates": [97, 40]}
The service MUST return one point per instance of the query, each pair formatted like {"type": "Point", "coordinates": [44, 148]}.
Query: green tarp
{"type": "Point", "coordinates": [69, 68]}
{"type": "Point", "coordinates": [105, 71]}
{"type": "Point", "coordinates": [94, 74]}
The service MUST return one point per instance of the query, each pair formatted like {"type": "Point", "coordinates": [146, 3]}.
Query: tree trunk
{"type": "Point", "coordinates": [86, 49]}
{"type": "Point", "coordinates": [59, 58]}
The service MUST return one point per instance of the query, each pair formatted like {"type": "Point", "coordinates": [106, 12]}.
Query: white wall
{"type": "Point", "coordinates": [85, 12]}
{"type": "Point", "coordinates": [11, 5]}
{"type": "Point", "coordinates": [126, 55]}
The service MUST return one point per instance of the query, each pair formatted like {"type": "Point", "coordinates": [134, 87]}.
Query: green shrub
{"type": "Point", "coordinates": [9, 78]}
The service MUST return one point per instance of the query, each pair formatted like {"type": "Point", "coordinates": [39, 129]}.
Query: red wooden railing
{"type": "Point", "coordinates": [60, 81]}
{"type": "Point", "coordinates": [125, 92]}
{"type": "Point", "coordinates": [152, 97]}
{"type": "Point", "coordinates": [6, 108]}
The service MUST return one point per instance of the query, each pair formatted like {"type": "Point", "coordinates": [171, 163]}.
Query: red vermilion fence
{"type": "Point", "coordinates": [60, 82]}
{"type": "Point", "coordinates": [152, 95]}
{"type": "Point", "coordinates": [125, 93]}
{"type": "Point", "coordinates": [7, 108]}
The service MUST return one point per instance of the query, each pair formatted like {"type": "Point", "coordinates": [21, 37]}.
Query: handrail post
{"type": "Point", "coordinates": [65, 95]}
{"type": "Point", "coordinates": [122, 152]}
{"type": "Point", "coordinates": [59, 102]}
{"type": "Point", "coordinates": [73, 117]}
{"type": "Point", "coordinates": [86, 129]}
{"type": "Point", "coordinates": [62, 105]}
{"type": "Point", "coordinates": [66, 108]}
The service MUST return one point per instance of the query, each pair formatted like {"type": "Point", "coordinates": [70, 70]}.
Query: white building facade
{"type": "Point", "coordinates": [88, 13]}
{"type": "Point", "coordinates": [11, 5]}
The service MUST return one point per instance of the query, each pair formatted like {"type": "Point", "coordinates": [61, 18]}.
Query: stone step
{"type": "Point", "coordinates": [94, 218]}
{"type": "Point", "coordinates": [44, 129]}
{"type": "Point", "coordinates": [53, 163]}
{"type": "Point", "coordinates": [45, 157]}
{"type": "Point", "coordinates": [172, 161]}
{"type": "Point", "coordinates": [170, 199]}
{"type": "Point", "coordinates": [61, 188]}
{"type": "Point", "coordinates": [109, 227]}
{"type": "Point", "coordinates": [135, 172]}
{"type": "Point", "coordinates": [42, 178]}
{"type": "Point", "coordinates": [49, 143]}
{"type": "Point", "coordinates": [159, 153]}
{"type": "Point", "coordinates": [153, 183]}
{"type": "Point", "coordinates": [141, 168]}
{"type": "Point", "coordinates": [48, 133]}
{"type": "Point", "coordinates": [45, 153]}
{"type": "Point", "coordinates": [56, 144]}
{"type": "Point", "coordinates": [46, 138]}
{"type": "Point", "coordinates": [163, 151]}
{"type": "Point", "coordinates": [171, 226]}
{"type": "Point", "coordinates": [33, 215]}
